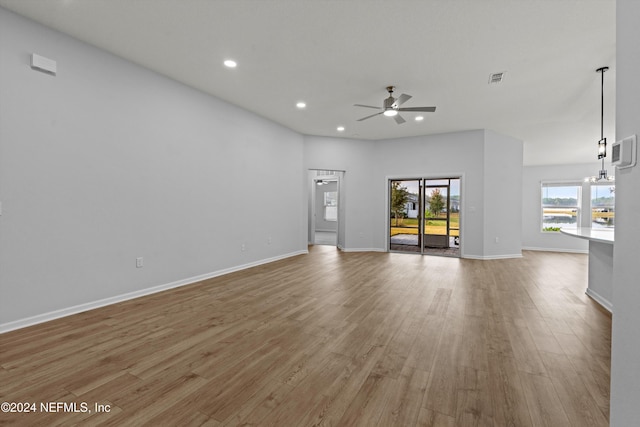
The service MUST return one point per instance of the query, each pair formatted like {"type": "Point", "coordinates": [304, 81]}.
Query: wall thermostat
{"type": "Point", "coordinates": [623, 153]}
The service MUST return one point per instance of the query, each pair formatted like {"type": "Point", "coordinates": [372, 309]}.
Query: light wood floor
{"type": "Point", "coordinates": [332, 338]}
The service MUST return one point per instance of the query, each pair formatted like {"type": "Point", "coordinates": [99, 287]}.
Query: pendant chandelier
{"type": "Point", "coordinates": [602, 143]}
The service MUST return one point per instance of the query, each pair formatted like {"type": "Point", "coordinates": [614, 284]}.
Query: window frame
{"type": "Point", "coordinates": [591, 206]}
{"type": "Point", "coordinates": [577, 207]}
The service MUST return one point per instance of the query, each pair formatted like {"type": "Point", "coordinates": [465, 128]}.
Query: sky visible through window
{"type": "Point", "coordinates": [559, 192]}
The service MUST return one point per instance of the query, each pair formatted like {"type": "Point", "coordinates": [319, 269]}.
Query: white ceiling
{"type": "Point", "coordinates": [335, 53]}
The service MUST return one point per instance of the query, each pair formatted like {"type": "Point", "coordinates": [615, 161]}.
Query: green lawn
{"type": "Point", "coordinates": [433, 226]}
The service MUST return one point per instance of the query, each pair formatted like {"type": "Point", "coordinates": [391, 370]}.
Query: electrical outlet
{"type": "Point", "coordinates": [139, 262]}
{"type": "Point", "coordinates": [497, 240]}
{"type": "Point", "coordinates": [269, 240]}
{"type": "Point", "coordinates": [243, 247]}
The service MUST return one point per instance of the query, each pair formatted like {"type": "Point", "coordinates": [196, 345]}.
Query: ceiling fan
{"type": "Point", "coordinates": [391, 107]}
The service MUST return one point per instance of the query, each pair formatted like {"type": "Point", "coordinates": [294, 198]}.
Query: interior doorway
{"type": "Point", "coordinates": [424, 216]}
{"type": "Point", "coordinates": [326, 208]}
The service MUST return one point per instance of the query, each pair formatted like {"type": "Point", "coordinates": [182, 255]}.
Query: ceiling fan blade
{"type": "Point", "coordinates": [398, 118]}
{"type": "Point", "coordinates": [367, 106]}
{"type": "Point", "coordinates": [420, 109]}
{"type": "Point", "coordinates": [368, 117]}
{"type": "Point", "coordinates": [402, 99]}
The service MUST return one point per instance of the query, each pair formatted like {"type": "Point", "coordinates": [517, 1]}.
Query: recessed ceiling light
{"type": "Point", "coordinates": [340, 128]}
{"type": "Point", "coordinates": [230, 63]}
{"type": "Point", "coordinates": [301, 105]}
{"type": "Point", "coordinates": [419, 118]}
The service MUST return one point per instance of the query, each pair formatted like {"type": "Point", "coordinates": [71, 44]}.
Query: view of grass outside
{"type": "Point", "coordinates": [438, 226]}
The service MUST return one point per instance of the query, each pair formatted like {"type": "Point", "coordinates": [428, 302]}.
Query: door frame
{"type": "Point", "coordinates": [312, 177]}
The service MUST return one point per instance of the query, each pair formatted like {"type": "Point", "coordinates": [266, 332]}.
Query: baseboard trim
{"type": "Point", "coordinates": [57, 314]}
{"type": "Point", "coordinates": [571, 251]}
{"type": "Point", "coordinates": [605, 303]}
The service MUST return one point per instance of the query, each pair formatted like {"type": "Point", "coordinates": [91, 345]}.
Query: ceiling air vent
{"type": "Point", "coordinates": [496, 77]}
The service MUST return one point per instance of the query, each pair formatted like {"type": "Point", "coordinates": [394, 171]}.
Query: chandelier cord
{"type": "Point", "coordinates": [602, 70]}
{"type": "Point", "coordinates": [602, 106]}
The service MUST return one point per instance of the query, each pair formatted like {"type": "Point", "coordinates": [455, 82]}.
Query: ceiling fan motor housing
{"type": "Point", "coordinates": [388, 103]}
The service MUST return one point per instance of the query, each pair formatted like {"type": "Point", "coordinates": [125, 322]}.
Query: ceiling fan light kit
{"type": "Point", "coordinates": [391, 107]}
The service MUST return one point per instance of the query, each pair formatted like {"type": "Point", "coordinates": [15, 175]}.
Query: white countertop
{"type": "Point", "coordinates": [597, 235]}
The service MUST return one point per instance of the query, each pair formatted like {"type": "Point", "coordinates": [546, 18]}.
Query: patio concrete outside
{"type": "Point", "coordinates": [409, 243]}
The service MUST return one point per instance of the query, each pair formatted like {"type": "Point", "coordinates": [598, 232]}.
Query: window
{"type": "Point", "coordinates": [331, 206]}
{"type": "Point", "coordinates": [603, 199]}
{"type": "Point", "coordinates": [560, 206]}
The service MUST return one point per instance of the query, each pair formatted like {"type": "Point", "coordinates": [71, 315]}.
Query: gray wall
{"type": "Point", "coordinates": [107, 161]}
{"type": "Point", "coordinates": [625, 363]}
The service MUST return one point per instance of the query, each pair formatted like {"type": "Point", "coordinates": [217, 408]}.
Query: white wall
{"type": "Point", "coordinates": [107, 161]}
{"type": "Point", "coordinates": [532, 237]}
{"type": "Point", "coordinates": [625, 363]}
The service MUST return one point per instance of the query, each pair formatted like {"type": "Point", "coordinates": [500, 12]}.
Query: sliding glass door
{"type": "Point", "coordinates": [405, 225]}
{"type": "Point", "coordinates": [424, 216]}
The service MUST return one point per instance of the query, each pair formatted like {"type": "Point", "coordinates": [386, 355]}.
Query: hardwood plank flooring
{"type": "Point", "coordinates": [331, 339]}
